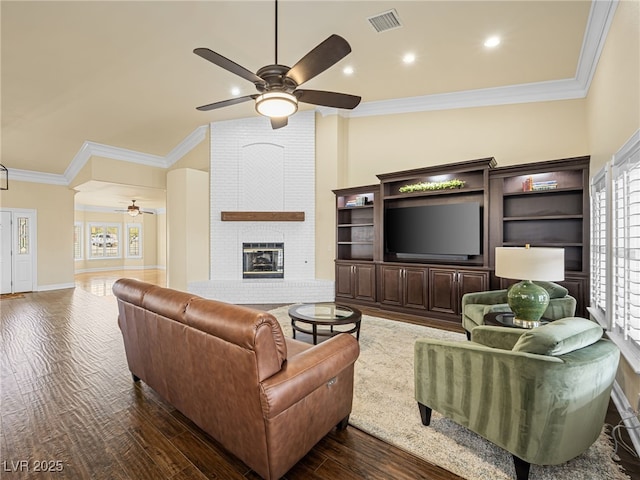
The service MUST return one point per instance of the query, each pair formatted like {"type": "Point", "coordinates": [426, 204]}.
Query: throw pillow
{"type": "Point", "coordinates": [559, 337]}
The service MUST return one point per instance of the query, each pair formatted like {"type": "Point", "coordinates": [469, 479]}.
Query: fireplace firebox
{"type": "Point", "coordinates": [263, 260]}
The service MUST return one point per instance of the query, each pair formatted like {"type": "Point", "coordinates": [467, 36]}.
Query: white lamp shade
{"type": "Point", "coordinates": [533, 263]}
{"type": "Point", "coordinates": [276, 104]}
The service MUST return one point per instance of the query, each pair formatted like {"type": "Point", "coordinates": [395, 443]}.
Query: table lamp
{"type": "Point", "coordinates": [527, 300]}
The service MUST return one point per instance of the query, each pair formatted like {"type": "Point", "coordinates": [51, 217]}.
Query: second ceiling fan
{"type": "Point", "coordinates": [278, 84]}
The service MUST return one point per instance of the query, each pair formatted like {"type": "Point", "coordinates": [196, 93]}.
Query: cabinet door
{"type": "Point", "coordinates": [344, 280]}
{"type": "Point", "coordinates": [365, 282]}
{"type": "Point", "coordinates": [391, 285]}
{"type": "Point", "coordinates": [443, 297]}
{"type": "Point", "coordinates": [415, 288]}
{"type": "Point", "coordinates": [471, 281]}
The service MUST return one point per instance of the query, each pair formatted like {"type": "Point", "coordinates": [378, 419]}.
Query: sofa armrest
{"type": "Point", "coordinates": [306, 372]}
{"type": "Point", "coordinates": [528, 404]}
{"type": "Point", "coordinates": [485, 298]}
{"type": "Point", "coordinates": [560, 308]}
{"type": "Point", "coordinates": [503, 338]}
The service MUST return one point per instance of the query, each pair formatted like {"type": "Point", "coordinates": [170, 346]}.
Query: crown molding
{"type": "Point", "coordinates": [18, 175]}
{"type": "Point", "coordinates": [90, 149]}
{"type": "Point", "coordinates": [600, 18]}
{"type": "Point", "coordinates": [525, 93]}
{"type": "Point", "coordinates": [596, 31]}
{"type": "Point", "coordinates": [102, 209]}
{"type": "Point", "coordinates": [189, 143]}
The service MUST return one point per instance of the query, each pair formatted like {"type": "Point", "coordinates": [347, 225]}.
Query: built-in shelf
{"type": "Point", "coordinates": [262, 216]}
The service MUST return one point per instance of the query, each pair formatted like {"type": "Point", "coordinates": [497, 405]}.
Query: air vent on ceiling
{"type": "Point", "coordinates": [385, 21]}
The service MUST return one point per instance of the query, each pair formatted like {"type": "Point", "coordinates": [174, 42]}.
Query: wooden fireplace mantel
{"type": "Point", "coordinates": [262, 216]}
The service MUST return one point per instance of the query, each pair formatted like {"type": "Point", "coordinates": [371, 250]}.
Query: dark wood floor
{"type": "Point", "coordinates": [67, 397]}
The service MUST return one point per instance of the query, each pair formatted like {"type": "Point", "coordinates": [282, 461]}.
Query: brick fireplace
{"type": "Point", "coordinates": [257, 169]}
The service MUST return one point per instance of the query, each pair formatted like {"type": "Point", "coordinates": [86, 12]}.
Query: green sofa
{"type": "Point", "coordinates": [541, 394]}
{"type": "Point", "coordinates": [477, 304]}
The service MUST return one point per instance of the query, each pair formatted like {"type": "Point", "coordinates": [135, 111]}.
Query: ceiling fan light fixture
{"type": "Point", "coordinates": [133, 211]}
{"type": "Point", "coordinates": [276, 104]}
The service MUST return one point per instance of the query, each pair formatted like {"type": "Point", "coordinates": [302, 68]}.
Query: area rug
{"type": "Point", "coordinates": [384, 406]}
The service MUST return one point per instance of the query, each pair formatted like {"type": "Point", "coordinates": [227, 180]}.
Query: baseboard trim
{"type": "Point", "coordinates": [59, 286]}
{"type": "Point", "coordinates": [626, 413]}
{"type": "Point", "coordinates": [116, 269]}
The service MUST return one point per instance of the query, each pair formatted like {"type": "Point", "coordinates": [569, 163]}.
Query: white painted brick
{"type": "Point", "coordinates": [255, 168]}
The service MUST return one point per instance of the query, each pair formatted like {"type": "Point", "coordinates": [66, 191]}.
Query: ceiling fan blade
{"type": "Point", "coordinates": [328, 99]}
{"type": "Point", "coordinates": [228, 65]}
{"type": "Point", "coordinates": [279, 122]}
{"type": "Point", "coordinates": [326, 54]}
{"type": "Point", "coordinates": [148, 213]}
{"type": "Point", "coordinates": [225, 103]}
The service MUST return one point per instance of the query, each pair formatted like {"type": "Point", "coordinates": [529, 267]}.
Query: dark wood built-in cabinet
{"type": "Point", "coordinates": [449, 284]}
{"type": "Point", "coordinates": [356, 281]}
{"type": "Point", "coordinates": [356, 241]}
{"type": "Point", "coordinates": [403, 286]}
{"type": "Point", "coordinates": [543, 204]}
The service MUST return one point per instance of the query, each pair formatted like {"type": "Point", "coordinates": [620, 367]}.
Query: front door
{"type": "Point", "coordinates": [17, 251]}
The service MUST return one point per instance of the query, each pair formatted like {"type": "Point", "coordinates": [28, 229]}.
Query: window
{"type": "Point", "coordinates": [77, 241]}
{"type": "Point", "coordinates": [615, 249]}
{"type": "Point", "coordinates": [104, 240]}
{"type": "Point", "coordinates": [599, 243]}
{"type": "Point", "coordinates": [134, 240]}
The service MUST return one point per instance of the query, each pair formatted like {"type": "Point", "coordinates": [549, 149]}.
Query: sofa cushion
{"type": "Point", "coordinates": [559, 337]}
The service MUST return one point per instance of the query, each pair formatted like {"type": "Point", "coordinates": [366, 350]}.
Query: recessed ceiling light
{"type": "Point", "coordinates": [235, 91]}
{"type": "Point", "coordinates": [348, 70]}
{"type": "Point", "coordinates": [492, 42]}
{"type": "Point", "coordinates": [409, 58]}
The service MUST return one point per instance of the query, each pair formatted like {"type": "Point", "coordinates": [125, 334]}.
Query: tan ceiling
{"type": "Point", "coordinates": [123, 73]}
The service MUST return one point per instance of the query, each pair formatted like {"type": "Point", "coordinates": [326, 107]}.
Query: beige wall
{"type": "Point", "coordinates": [330, 138]}
{"type": "Point", "coordinates": [613, 109]}
{"type": "Point", "coordinates": [352, 152]}
{"type": "Point", "coordinates": [187, 227]}
{"type": "Point", "coordinates": [613, 102]}
{"type": "Point", "coordinates": [54, 209]}
{"type": "Point", "coordinates": [513, 134]}
{"type": "Point", "coordinates": [161, 240]}
{"type": "Point", "coordinates": [125, 173]}
{"type": "Point", "coordinates": [198, 158]}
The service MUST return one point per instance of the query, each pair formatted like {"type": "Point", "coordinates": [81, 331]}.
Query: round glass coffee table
{"type": "Point", "coordinates": [330, 317]}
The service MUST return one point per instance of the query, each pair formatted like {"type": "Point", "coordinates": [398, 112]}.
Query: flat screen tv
{"type": "Point", "coordinates": [434, 231]}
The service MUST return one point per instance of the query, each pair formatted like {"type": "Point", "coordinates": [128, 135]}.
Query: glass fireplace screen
{"type": "Point", "coordinates": [263, 260]}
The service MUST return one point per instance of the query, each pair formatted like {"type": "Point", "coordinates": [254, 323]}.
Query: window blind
{"type": "Point", "coordinates": [626, 244]}
{"type": "Point", "coordinates": [599, 243]}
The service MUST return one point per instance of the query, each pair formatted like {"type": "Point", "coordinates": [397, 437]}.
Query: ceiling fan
{"type": "Point", "coordinates": [278, 84]}
{"type": "Point", "coordinates": [134, 210]}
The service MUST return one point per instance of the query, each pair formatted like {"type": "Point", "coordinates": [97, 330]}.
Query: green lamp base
{"type": "Point", "coordinates": [528, 302]}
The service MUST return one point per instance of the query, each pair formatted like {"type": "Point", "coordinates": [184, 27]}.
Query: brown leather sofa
{"type": "Point", "coordinates": [266, 398]}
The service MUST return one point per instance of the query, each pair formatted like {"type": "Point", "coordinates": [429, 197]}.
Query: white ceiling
{"type": "Point", "coordinates": [123, 73]}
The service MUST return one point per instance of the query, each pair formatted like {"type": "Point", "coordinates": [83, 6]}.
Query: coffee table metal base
{"type": "Point", "coordinates": [324, 320]}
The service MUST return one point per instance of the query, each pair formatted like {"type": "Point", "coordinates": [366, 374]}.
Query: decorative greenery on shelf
{"type": "Point", "coordinates": [427, 186]}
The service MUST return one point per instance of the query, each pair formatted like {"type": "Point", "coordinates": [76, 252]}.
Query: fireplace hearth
{"type": "Point", "coordinates": [263, 260]}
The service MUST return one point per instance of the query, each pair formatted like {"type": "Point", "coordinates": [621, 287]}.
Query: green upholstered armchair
{"type": "Point", "coordinates": [541, 394]}
{"type": "Point", "coordinates": [477, 304]}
